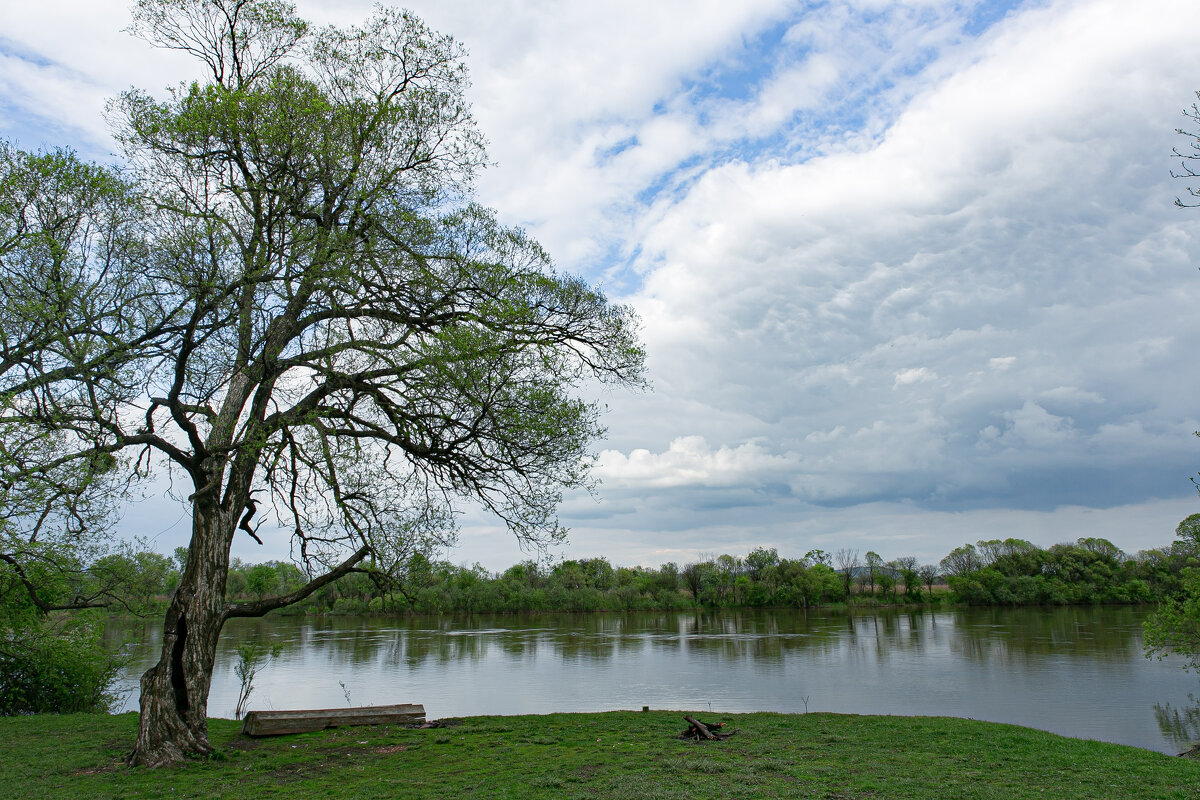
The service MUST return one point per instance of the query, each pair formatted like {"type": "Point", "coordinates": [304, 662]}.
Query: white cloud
{"type": "Point", "coordinates": [914, 375]}
{"type": "Point", "coordinates": [924, 278]}
{"type": "Point", "coordinates": [688, 461]}
{"type": "Point", "coordinates": [967, 240]}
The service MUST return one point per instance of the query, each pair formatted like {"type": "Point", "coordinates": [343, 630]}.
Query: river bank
{"type": "Point", "coordinates": [614, 754]}
{"type": "Point", "coordinates": [1073, 671]}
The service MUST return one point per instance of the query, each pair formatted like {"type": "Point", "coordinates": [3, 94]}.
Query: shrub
{"type": "Point", "coordinates": [55, 666]}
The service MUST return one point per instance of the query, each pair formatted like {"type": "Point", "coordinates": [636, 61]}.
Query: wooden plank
{"type": "Point", "coordinates": [276, 723]}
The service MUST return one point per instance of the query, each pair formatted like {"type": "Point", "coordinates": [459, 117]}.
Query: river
{"type": "Point", "coordinates": [1074, 671]}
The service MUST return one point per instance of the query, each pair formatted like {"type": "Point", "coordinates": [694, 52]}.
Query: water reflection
{"type": "Point", "coordinates": [1179, 725]}
{"type": "Point", "coordinates": [1077, 671]}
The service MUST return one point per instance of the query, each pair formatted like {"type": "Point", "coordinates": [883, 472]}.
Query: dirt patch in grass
{"type": "Point", "coordinates": [112, 766]}
{"type": "Point", "coordinates": [244, 743]}
{"type": "Point", "coordinates": [449, 722]}
{"type": "Point", "coordinates": [290, 773]}
{"type": "Point", "coordinates": [389, 749]}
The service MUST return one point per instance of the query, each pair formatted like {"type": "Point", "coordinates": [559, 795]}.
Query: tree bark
{"type": "Point", "coordinates": [174, 700]}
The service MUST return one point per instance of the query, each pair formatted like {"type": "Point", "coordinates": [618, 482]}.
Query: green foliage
{"type": "Point", "coordinates": [261, 580]}
{"type": "Point", "coordinates": [287, 293]}
{"type": "Point", "coordinates": [1187, 534]}
{"type": "Point", "coordinates": [1015, 572]}
{"type": "Point", "coordinates": [55, 665]}
{"type": "Point", "coordinates": [141, 580]}
{"type": "Point", "coordinates": [1174, 627]}
{"type": "Point", "coordinates": [961, 560]}
{"type": "Point", "coordinates": [1091, 570]}
{"type": "Point", "coordinates": [252, 657]}
{"type": "Point", "coordinates": [51, 661]}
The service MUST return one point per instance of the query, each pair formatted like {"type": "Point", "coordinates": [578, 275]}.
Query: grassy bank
{"type": "Point", "coordinates": [616, 755]}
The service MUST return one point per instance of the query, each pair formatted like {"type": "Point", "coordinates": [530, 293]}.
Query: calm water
{"type": "Point", "coordinates": [1074, 671]}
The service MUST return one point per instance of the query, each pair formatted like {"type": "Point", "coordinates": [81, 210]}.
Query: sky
{"type": "Point", "coordinates": [910, 274]}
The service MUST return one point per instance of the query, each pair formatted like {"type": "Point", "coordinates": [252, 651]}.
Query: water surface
{"type": "Point", "coordinates": [1074, 671]}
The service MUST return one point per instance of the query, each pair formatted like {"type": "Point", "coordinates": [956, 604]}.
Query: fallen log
{"type": "Point", "coordinates": [698, 730]}
{"type": "Point", "coordinates": [278, 723]}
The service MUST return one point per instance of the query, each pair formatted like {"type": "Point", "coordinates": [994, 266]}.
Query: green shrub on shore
{"type": "Point", "coordinates": [56, 665]}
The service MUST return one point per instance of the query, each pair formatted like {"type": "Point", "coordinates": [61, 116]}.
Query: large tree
{"type": "Point", "coordinates": [311, 316]}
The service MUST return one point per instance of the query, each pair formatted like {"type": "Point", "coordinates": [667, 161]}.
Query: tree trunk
{"type": "Point", "coordinates": [174, 700]}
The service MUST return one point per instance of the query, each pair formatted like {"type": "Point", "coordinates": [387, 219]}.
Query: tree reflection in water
{"type": "Point", "coordinates": [1077, 671]}
{"type": "Point", "coordinates": [1180, 725]}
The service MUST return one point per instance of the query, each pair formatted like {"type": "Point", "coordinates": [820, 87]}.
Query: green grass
{"type": "Point", "coordinates": [610, 755]}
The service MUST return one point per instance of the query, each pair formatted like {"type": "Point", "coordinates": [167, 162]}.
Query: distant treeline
{"type": "Point", "coordinates": [992, 572]}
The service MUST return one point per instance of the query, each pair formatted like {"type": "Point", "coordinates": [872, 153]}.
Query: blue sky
{"type": "Point", "coordinates": [909, 272]}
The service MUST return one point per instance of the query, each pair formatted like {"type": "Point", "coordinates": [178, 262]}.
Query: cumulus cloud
{"type": "Point", "coordinates": [966, 239]}
{"type": "Point", "coordinates": [902, 266]}
{"type": "Point", "coordinates": [688, 461]}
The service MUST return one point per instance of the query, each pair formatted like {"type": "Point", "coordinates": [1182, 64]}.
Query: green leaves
{"type": "Point", "coordinates": [291, 292]}
{"type": "Point", "coordinates": [55, 666]}
{"type": "Point", "coordinates": [1174, 627]}
{"type": "Point", "coordinates": [239, 40]}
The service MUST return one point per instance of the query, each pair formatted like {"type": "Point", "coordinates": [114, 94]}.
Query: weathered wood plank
{"type": "Point", "coordinates": [277, 723]}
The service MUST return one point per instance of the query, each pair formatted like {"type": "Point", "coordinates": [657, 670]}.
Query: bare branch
{"type": "Point", "coordinates": [260, 607]}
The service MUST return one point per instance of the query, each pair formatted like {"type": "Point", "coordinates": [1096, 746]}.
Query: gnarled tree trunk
{"type": "Point", "coordinates": [174, 700]}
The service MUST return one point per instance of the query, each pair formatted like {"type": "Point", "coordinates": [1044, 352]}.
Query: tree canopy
{"type": "Point", "coordinates": [287, 298]}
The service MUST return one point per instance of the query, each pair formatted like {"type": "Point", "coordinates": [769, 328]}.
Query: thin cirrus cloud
{"type": "Point", "coordinates": [909, 273]}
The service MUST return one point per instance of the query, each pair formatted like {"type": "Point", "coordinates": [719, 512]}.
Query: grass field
{"type": "Point", "coordinates": [609, 755]}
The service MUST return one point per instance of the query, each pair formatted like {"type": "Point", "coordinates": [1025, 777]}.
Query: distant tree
{"type": "Point", "coordinates": [693, 575]}
{"type": "Point", "coordinates": [761, 558]}
{"type": "Point", "coordinates": [667, 579]}
{"type": "Point", "coordinates": [179, 556]}
{"type": "Point", "coordinates": [887, 581]}
{"type": "Point", "coordinates": [597, 572]}
{"type": "Point", "coordinates": [962, 560]}
{"type": "Point", "coordinates": [1187, 534]}
{"type": "Point", "coordinates": [847, 562]}
{"type": "Point", "coordinates": [292, 302]}
{"type": "Point", "coordinates": [140, 577]}
{"type": "Point", "coordinates": [874, 568]}
{"type": "Point", "coordinates": [907, 567]}
{"type": "Point", "coordinates": [988, 551]}
{"type": "Point", "coordinates": [1104, 548]}
{"type": "Point", "coordinates": [261, 580]}
{"type": "Point", "coordinates": [929, 576]}
{"type": "Point", "coordinates": [568, 574]}
{"type": "Point", "coordinates": [818, 557]}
